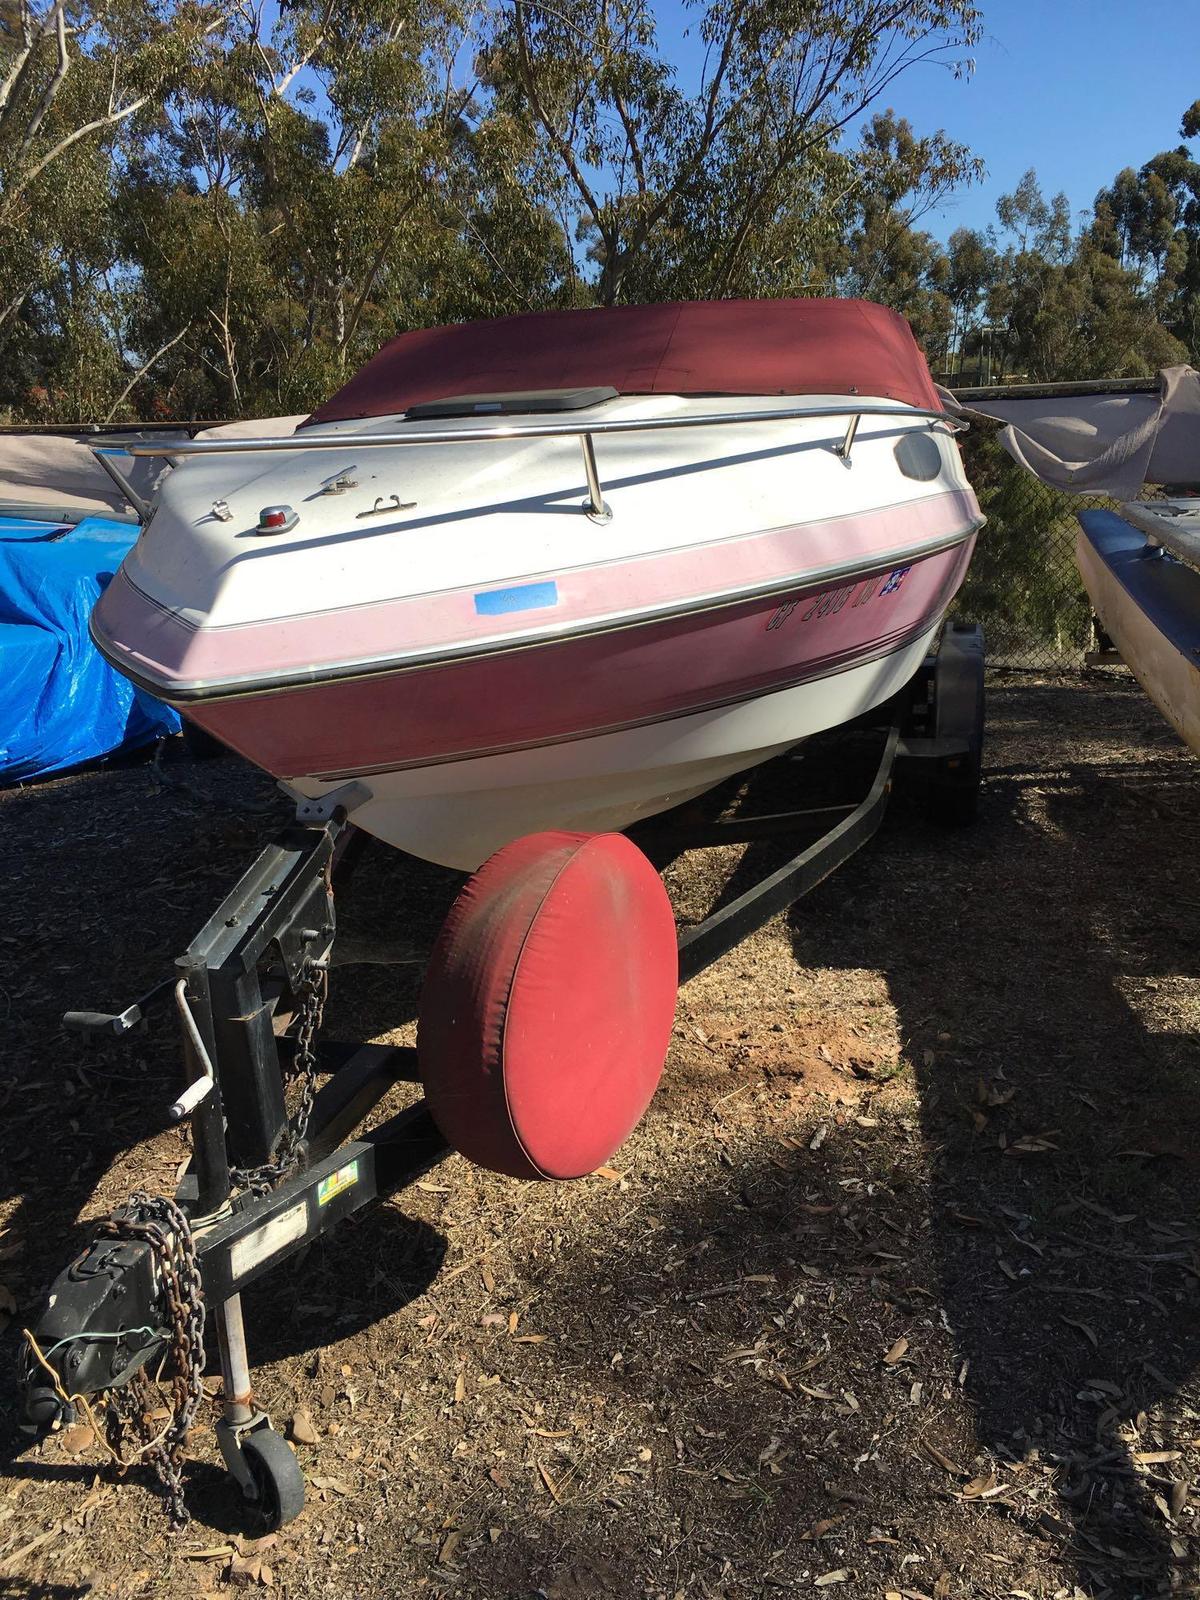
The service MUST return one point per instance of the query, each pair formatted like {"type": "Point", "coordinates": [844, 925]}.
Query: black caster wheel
{"type": "Point", "coordinates": [278, 1480]}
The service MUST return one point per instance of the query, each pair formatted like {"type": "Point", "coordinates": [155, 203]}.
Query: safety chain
{"type": "Point", "coordinates": [311, 997]}
{"type": "Point", "coordinates": [160, 1223]}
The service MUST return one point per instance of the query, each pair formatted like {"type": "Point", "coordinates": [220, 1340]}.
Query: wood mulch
{"type": "Point", "coordinates": [894, 1292]}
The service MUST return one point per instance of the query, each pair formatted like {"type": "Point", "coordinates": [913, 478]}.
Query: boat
{"type": "Point", "coordinates": [556, 571]}
{"type": "Point", "coordinates": [1141, 570]}
{"type": "Point", "coordinates": [515, 586]}
{"type": "Point", "coordinates": [1141, 565]}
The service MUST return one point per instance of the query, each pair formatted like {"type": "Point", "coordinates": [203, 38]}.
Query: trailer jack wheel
{"type": "Point", "coordinates": [265, 1466]}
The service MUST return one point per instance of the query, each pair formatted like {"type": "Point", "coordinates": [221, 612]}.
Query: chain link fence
{"type": "Point", "coordinates": [1024, 585]}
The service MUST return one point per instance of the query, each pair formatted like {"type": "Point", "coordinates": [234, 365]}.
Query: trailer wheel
{"type": "Point", "coordinates": [547, 1006]}
{"type": "Point", "coordinates": [958, 711]}
{"type": "Point", "coordinates": [278, 1479]}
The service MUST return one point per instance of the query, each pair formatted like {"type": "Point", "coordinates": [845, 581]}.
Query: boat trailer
{"type": "Point", "coordinates": [263, 1183]}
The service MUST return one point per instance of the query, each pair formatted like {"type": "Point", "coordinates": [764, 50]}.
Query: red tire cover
{"type": "Point", "coordinates": [547, 1005]}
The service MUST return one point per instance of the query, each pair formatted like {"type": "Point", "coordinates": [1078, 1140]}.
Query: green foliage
{"type": "Point", "coordinates": [1149, 221]}
{"type": "Point", "coordinates": [207, 209]}
{"type": "Point", "coordinates": [206, 215]}
{"type": "Point", "coordinates": [737, 184]}
{"type": "Point", "coordinates": [1022, 583]}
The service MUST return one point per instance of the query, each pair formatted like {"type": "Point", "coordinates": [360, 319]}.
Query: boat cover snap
{"type": "Point", "coordinates": [547, 1005]}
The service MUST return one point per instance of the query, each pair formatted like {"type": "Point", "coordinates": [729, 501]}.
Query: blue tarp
{"type": "Point", "coordinates": [60, 701]}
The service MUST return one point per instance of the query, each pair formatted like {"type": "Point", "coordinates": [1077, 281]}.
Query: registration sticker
{"type": "Point", "coordinates": [344, 1178]}
{"type": "Point", "coordinates": [521, 597]}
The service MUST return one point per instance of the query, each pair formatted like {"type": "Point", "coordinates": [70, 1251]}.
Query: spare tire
{"type": "Point", "coordinates": [547, 1006]}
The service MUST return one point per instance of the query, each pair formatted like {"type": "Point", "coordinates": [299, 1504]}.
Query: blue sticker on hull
{"type": "Point", "coordinates": [524, 597]}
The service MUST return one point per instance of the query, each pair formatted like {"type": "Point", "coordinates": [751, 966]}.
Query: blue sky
{"type": "Point", "coordinates": [1076, 88]}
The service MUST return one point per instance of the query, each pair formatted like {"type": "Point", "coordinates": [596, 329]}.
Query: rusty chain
{"type": "Point", "coordinates": [313, 993]}
{"type": "Point", "coordinates": [159, 1223]}
{"type": "Point", "coordinates": [162, 1225]}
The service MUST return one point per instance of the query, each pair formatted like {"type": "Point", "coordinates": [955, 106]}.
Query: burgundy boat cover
{"type": "Point", "coordinates": [693, 348]}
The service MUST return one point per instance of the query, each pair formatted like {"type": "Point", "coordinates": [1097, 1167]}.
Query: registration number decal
{"type": "Point", "coordinates": [830, 601]}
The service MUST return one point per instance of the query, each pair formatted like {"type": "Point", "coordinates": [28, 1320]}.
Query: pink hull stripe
{"type": "Point", "coordinates": [585, 685]}
{"type": "Point", "coordinates": [169, 651]}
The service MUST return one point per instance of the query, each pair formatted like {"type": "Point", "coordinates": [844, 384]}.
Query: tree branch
{"type": "Point", "coordinates": [52, 88]}
{"type": "Point", "coordinates": [30, 39]}
{"type": "Point", "coordinates": [373, 272]}
{"type": "Point", "coordinates": [563, 146]}
{"type": "Point", "coordinates": [110, 120]}
{"type": "Point", "coordinates": [142, 371]}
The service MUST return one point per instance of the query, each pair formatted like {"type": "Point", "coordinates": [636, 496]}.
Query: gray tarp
{"type": "Point", "coordinates": [1104, 444]}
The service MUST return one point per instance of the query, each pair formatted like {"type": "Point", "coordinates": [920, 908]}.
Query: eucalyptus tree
{"type": "Point", "coordinates": [712, 166]}
{"type": "Point", "coordinates": [1149, 221]}
{"type": "Point", "coordinates": [82, 85]}
{"type": "Point", "coordinates": [1064, 307]}
{"type": "Point", "coordinates": [900, 178]}
{"type": "Point", "coordinates": [329, 180]}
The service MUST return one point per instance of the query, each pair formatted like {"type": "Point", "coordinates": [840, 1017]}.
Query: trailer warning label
{"type": "Point", "coordinates": [268, 1240]}
{"type": "Point", "coordinates": [344, 1178]}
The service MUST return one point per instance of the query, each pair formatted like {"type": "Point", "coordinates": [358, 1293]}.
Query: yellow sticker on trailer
{"type": "Point", "coordinates": [344, 1178]}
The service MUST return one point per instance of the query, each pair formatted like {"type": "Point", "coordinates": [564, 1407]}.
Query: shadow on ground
{"type": "Point", "coordinates": [938, 1336]}
{"type": "Point", "coordinates": [1029, 1234]}
{"type": "Point", "coordinates": [1062, 1125]}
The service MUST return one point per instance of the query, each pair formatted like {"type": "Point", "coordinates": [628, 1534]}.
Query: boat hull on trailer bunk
{"type": "Point", "coordinates": [471, 632]}
{"type": "Point", "coordinates": [1146, 593]}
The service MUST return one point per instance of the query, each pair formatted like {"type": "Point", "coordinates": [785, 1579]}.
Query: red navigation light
{"type": "Point", "coordinates": [276, 519]}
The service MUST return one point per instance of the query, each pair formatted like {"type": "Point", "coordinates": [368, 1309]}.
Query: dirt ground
{"type": "Point", "coordinates": [894, 1292]}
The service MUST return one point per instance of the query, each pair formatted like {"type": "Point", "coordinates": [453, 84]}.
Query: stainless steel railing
{"type": "Point", "coordinates": [585, 432]}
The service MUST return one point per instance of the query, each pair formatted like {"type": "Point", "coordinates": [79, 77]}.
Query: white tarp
{"type": "Point", "coordinates": [43, 474]}
{"type": "Point", "coordinates": [1104, 443]}
{"type": "Point", "coordinates": [49, 475]}
{"type": "Point", "coordinates": [252, 428]}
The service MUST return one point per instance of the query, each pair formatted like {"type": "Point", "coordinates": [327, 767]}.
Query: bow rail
{"type": "Point", "coordinates": [585, 432]}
